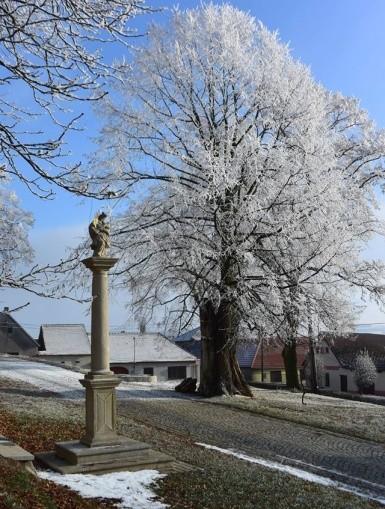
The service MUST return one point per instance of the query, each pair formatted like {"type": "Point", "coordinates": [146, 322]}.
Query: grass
{"type": "Point", "coordinates": [217, 482]}
{"type": "Point", "coordinates": [21, 490]}
{"type": "Point", "coordinates": [352, 418]}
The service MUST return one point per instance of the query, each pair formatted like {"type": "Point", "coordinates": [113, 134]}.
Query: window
{"type": "Point", "coordinates": [148, 371]}
{"type": "Point", "coordinates": [176, 372]}
{"type": "Point", "coordinates": [326, 349]}
{"type": "Point", "coordinates": [327, 380]}
{"type": "Point", "coordinates": [10, 329]}
{"type": "Point", "coordinates": [276, 376]}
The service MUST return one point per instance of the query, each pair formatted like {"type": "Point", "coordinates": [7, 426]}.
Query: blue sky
{"type": "Point", "coordinates": [343, 42]}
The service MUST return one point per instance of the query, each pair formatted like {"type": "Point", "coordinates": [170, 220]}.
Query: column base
{"type": "Point", "coordinates": [76, 458]}
{"type": "Point", "coordinates": [100, 410]}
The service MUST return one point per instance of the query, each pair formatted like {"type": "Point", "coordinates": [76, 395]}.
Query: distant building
{"type": "Point", "coordinates": [14, 339]}
{"type": "Point", "coordinates": [66, 344]}
{"type": "Point", "coordinates": [150, 353]}
{"type": "Point", "coordinates": [337, 355]}
{"type": "Point", "coordinates": [268, 360]}
{"type": "Point", "coordinates": [254, 357]}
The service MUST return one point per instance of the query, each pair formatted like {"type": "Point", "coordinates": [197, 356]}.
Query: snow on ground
{"type": "Point", "coordinates": [297, 472]}
{"type": "Point", "coordinates": [131, 488]}
{"type": "Point", "coordinates": [66, 382]}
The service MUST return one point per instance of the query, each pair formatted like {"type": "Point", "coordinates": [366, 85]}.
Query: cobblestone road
{"type": "Point", "coordinates": [335, 456]}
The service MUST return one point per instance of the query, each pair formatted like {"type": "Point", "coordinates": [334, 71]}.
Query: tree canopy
{"type": "Point", "coordinates": [249, 184]}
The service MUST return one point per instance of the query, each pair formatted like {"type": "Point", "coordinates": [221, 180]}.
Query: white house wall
{"type": "Point", "coordinates": [160, 370]}
{"type": "Point", "coordinates": [333, 367]}
{"type": "Point", "coordinates": [82, 362]}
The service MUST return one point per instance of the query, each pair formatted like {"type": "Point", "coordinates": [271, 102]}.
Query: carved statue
{"type": "Point", "coordinates": [100, 235]}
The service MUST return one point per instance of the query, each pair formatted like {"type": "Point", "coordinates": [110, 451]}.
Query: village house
{"type": "Point", "coordinates": [255, 359]}
{"type": "Point", "coordinates": [133, 353]}
{"type": "Point", "coordinates": [150, 353]}
{"type": "Point", "coordinates": [268, 365]}
{"type": "Point", "coordinates": [337, 356]}
{"type": "Point", "coordinates": [66, 344]}
{"type": "Point", "coordinates": [14, 339]}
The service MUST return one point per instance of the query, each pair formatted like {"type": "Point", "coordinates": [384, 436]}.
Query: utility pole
{"type": "Point", "coordinates": [262, 370]}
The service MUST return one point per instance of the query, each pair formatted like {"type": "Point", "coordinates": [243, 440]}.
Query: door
{"type": "Point", "coordinates": [344, 383]}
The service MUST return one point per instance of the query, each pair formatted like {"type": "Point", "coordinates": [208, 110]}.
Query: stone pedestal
{"type": "Point", "coordinates": [101, 449]}
{"type": "Point", "coordinates": [100, 410]}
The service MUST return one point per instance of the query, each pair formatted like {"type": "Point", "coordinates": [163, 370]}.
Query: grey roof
{"type": "Point", "coordinates": [346, 348]}
{"type": "Point", "coordinates": [64, 339]}
{"type": "Point", "coordinates": [245, 355]}
{"type": "Point", "coordinates": [193, 346]}
{"type": "Point", "coordinates": [149, 347]}
{"type": "Point", "coordinates": [6, 319]}
{"type": "Point", "coordinates": [194, 334]}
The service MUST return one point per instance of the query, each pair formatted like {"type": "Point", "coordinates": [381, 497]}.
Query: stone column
{"type": "Point", "coordinates": [100, 382]}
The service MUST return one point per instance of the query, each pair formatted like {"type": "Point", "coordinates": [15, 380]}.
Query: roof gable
{"type": "Point", "coordinates": [64, 339]}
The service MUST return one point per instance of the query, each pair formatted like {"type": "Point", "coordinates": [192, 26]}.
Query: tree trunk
{"type": "Point", "coordinates": [289, 354]}
{"type": "Point", "coordinates": [220, 372]}
{"type": "Point", "coordinates": [313, 365]}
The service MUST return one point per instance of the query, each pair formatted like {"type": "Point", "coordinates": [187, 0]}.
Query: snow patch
{"type": "Point", "coordinates": [66, 383]}
{"type": "Point", "coordinates": [131, 488]}
{"type": "Point", "coordinates": [297, 472]}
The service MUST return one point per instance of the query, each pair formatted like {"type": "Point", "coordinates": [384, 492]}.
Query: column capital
{"type": "Point", "coordinates": [99, 263]}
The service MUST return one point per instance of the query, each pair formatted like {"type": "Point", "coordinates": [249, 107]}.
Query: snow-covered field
{"type": "Point", "coordinates": [66, 383]}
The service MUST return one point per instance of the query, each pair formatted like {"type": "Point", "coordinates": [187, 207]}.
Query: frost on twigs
{"type": "Point", "coordinates": [52, 55]}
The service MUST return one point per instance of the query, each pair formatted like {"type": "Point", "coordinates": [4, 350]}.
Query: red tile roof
{"type": "Point", "coordinates": [272, 354]}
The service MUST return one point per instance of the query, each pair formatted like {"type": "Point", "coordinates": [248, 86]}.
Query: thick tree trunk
{"type": "Point", "coordinates": [220, 372]}
{"type": "Point", "coordinates": [289, 354]}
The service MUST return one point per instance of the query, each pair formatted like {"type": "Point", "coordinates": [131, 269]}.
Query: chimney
{"type": "Point", "coordinates": [6, 309]}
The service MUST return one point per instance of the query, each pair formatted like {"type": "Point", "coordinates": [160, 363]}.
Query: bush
{"type": "Point", "coordinates": [365, 372]}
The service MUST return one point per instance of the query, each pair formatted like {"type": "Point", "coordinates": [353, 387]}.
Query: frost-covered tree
{"type": "Point", "coordinates": [365, 372]}
{"type": "Point", "coordinates": [241, 159]}
{"type": "Point", "coordinates": [16, 254]}
{"type": "Point", "coordinates": [320, 266]}
{"type": "Point", "coordinates": [14, 245]}
{"type": "Point", "coordinates": [51, 56]}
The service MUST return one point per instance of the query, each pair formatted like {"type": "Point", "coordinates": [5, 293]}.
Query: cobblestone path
{"type": "Point", "coordinates": [349, 460]}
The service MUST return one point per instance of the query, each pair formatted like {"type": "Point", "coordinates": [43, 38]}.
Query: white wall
{"type": "Point", "coordinates": [333, 367]}
{"type": "Point", "coordinates": [160, 369]}
{"type": "Point", "coordinates": [77, 361]}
